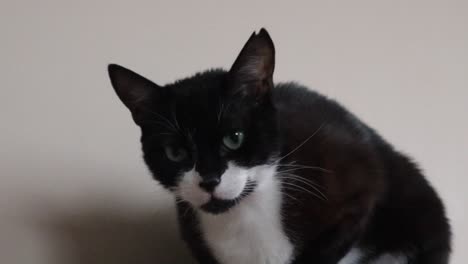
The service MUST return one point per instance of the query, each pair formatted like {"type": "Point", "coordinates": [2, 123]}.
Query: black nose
{"type": "Point", "coordinates": [209, 184]}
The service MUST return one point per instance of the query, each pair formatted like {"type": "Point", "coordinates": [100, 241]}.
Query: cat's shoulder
{"type": "Point", "coordinates": [292, 91]}
{"type": "Point", "coordinates": [293, 96]}
{"type": "Point", "coordinates": [301, 107]}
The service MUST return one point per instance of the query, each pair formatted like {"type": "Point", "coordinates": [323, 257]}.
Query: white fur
{"type": "Point", "coordinates": [390, 259]}
{"type": "Point", "coordinates": [232, 182]}
{"type": "Point", "coordinates": [250, 232]}
{"type": "Point", "coordinates": [355, 254]}
{"type": "Point", "coordinates": [190, 191]}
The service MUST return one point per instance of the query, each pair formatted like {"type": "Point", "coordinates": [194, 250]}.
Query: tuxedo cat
{"type": "Point", "coordinates": [276, 173]}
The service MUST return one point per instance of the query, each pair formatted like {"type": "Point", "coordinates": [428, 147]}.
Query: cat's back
{"type": "Point", "coordinates": [404, 196]}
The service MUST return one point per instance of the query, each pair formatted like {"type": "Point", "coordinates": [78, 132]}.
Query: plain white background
{"type": "Point", "coordinates": [73, 187]}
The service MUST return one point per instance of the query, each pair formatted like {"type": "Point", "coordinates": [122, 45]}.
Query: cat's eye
{"type": "Point", "coordinates": [175, 154]}
{"type": "Point", "coordinates": [233, 140]}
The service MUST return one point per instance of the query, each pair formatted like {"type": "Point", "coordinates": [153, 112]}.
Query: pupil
{"type": "Point", "coordinates": [175, 152]}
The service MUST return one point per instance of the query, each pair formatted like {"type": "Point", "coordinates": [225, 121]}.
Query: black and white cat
{"type": "Point", "coordinates": [276, 173]}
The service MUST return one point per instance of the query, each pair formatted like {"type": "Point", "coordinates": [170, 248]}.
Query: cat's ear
{"type": "Point", "coordinates": [252, 72]}
{"type": "Point", "coordinates": [134, 90]}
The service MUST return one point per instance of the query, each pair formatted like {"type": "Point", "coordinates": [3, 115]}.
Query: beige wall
{"type": "Point", "coordinates": [73, 188]}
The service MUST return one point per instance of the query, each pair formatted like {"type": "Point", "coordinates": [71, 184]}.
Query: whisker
{"type": "Point", "coordinates": [220, 113]}
{"type": "Point", "coordinates": [306, 167]}
{"type": "Point", "coordinates": [289, 196]}
{"type": "Point", "coordinates": [166, 120]}
{"type": "Point", "coordinates": [186, 211]}
{"type": "Point", "coordinates": [299, 166]}
{"type": "Point", "coordinates": [160, 123]}
{"type": "Point", "coordinates": [298, 188]}
{"type": "Point", "coordinates": [298, 178]}
{"type": "Point", "coordinates": [312, 185]}
{"type": "Point", "coordinates": [300, 145]}
{"type": "Point", "coordinates": [174, 116]}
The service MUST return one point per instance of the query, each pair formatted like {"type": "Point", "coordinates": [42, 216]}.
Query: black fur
{"type": "Point", "coordinates": [368, 194]}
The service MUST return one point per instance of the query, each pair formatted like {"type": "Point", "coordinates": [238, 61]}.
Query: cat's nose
{"type": "Point", "coordinates": [209, 184]}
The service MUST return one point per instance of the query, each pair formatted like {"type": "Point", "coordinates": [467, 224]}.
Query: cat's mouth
{"type": "Point", "coordinates": [218, 206]}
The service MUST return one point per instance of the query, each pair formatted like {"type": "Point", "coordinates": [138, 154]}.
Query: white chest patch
{"type": "Point", "coordinates": [250, 232]}
{"type": "Point", "coordinates": [354, 256]}
{"type": "Point", "coordinates": [390, 259]}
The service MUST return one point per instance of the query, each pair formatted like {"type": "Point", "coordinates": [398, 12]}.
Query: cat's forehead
{"type": "Point", "coordinates": [201, 103]}
{"type": "Point", "coordinates": [199, 83]}
{"type": "Point", "coordinates": [197, 101]}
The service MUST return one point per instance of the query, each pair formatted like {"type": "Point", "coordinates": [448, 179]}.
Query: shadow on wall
{"type": "Point", "coordinates": [53, 218]}
{"type": "Point", "coordinates": [98, 236]}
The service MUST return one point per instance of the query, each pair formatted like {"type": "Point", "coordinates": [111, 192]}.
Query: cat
{"type": "Point", "coordinates": [277, 173]}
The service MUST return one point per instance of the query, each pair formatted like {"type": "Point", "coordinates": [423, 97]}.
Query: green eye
{"type": "Point", "coordinates": [233, 140]}
{"type": "Point", "coordinates": [175, 154]}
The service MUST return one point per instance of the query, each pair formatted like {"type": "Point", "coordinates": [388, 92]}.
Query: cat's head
{"type": "Point", "coordinates": [211, 138]}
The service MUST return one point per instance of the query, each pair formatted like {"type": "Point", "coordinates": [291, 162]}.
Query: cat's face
{"type": "Point", "coordinates": [212, 138]}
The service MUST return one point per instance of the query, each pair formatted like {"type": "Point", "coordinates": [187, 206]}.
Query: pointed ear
{"type": "Point", "coordinates": [252, 72]}
{"type": "Point", "coordinates": [134, 90]}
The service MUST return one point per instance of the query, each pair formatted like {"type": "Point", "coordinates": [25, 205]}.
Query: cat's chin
{"type": "Point", "coordinates": [218, 206]}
